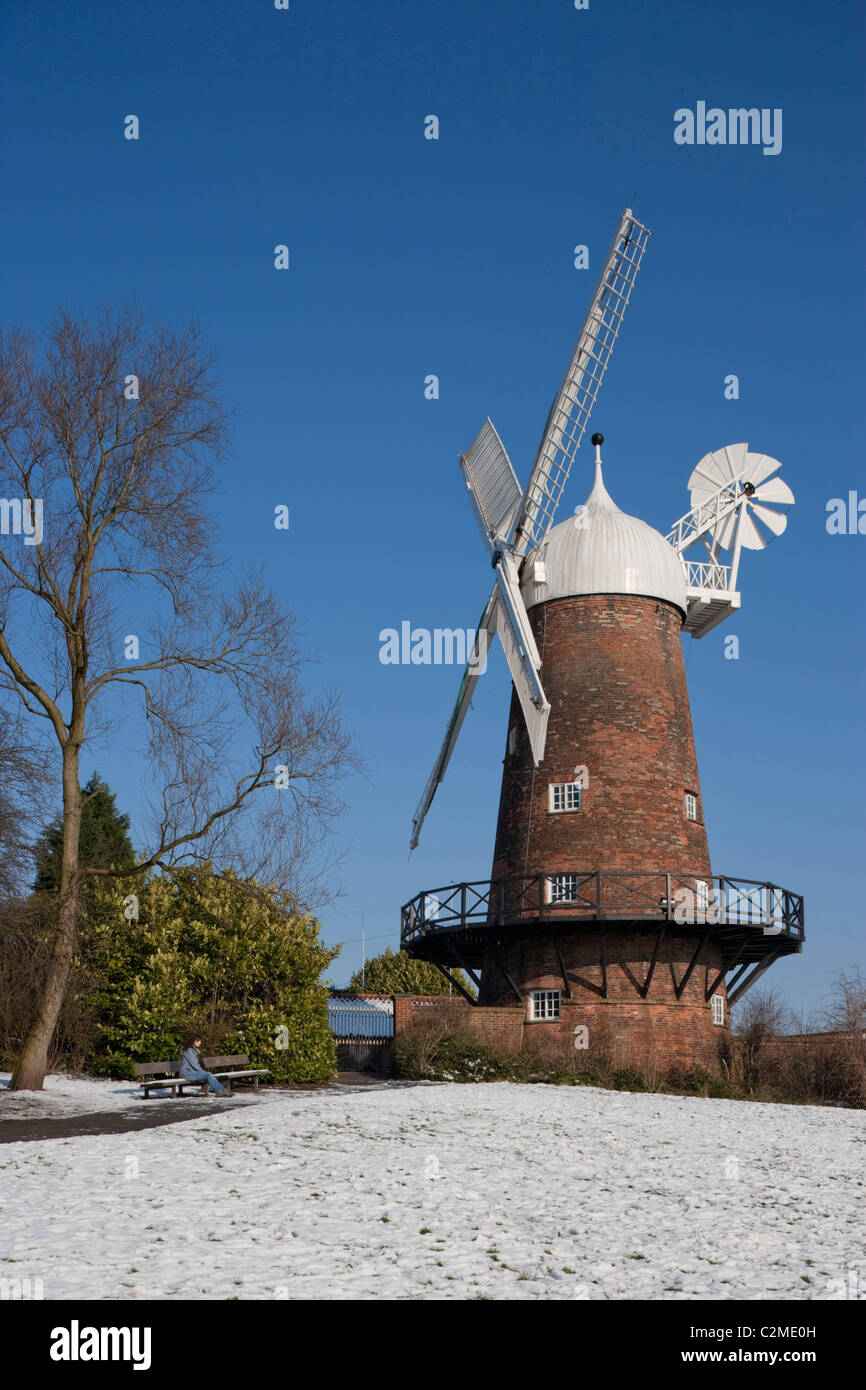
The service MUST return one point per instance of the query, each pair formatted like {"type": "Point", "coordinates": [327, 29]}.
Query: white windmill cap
{"type": "Point", "coordinates": [602, 550]}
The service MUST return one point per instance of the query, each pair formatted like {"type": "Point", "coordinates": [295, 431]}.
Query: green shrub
{"type": "Point", "coordinates": [219, 956]}
{"type": "Point", "coordinates": [627, 1079]}
{"type": "Point", "coordinates": [455, 1055]}
{"type": "Point", "coordinates": [292, 1039]}
{"type": "Point", "coordinates": [697, 1081]}
{"type": "Point", "coordinates": [461, 1058]}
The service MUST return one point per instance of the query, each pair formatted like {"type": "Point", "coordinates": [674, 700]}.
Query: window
{"type": "Point", "coordinates": [563, 888]}
{"type": "Point", "coordinates": [512, 739]}
{"type": "Point", "coordinates": [691, 806]}
{"type": "Point", "coordinates": [565, 796]}
{"type": "Point", "coordinates": [702, 896]}
{"type": "Point", "coordinates": [719, 1010]}
{"type": "Point", "coordinates": [544, 1003]}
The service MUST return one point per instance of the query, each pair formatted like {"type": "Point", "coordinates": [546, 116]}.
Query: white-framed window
{"type": "Point", "coordinates": [702, 895]}
{"type": "Point", "coordinates": [545, 1004]}
{"type": "Point", "coordinates": [691, 806]}
{"type": "Point", "coordinates": [512, 739]}
{"type": "Point", "coordinates": [565, 796]}
{"type": "Point", "coordinates": [719, 1010]}
{"type": "Point", "coordinates": [563, 888]}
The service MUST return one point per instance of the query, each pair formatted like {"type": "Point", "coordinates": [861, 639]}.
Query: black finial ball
{"type": "Point", "coordinates": [598, 439]}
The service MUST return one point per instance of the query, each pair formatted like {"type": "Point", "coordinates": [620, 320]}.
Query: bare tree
{"type": "Point", "coordinates": [112, 609]}
{"type": "Point", "coordinates": [760, 1016]}
{"type": "Point", "coordinates": [846, 1014]}
{"type": "Point", "coordinates": [21, 779]}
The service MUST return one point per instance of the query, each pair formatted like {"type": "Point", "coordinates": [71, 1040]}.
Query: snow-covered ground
{"type": "Point", "coordinates": [497, 1191]}
{"type": "Point", "coordinates": [66, 1096]}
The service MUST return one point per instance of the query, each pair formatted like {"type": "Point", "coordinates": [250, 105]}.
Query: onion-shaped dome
{"type": "Point", "coordinates": [601, 550]}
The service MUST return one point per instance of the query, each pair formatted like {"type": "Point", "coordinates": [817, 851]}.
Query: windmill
{"type": "Point", "coordinates": [601, 892]}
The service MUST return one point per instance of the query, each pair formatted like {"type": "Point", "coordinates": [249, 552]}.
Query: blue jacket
{"type": "Point", "coordinates": [190, 1062]}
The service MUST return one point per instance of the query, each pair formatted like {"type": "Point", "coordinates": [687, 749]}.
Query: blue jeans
{"type": "Point", "coordinates": [208, 1076]}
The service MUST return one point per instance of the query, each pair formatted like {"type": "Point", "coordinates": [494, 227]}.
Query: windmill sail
{"type": "Point", "coordinates": [573, 403]}
{"type": "Point", "coordinates": [521, 653]}
{"type": "Point", "coordinates": [464, 700]}
{"type": "Point", "coordinates": [492, 484]}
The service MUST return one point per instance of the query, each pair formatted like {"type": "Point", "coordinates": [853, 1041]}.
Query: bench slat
{"type": "Point", "coordinates": [173, 1086]}
{"type": "Point", "coordinates": [238, 1075]}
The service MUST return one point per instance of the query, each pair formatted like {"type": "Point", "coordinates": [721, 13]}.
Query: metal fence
{"type": "Point", "coordinates": [361, 1018]}
{"type": "Point", "coordinates": [363, 1030]}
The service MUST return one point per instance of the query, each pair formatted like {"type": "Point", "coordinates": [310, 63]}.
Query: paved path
{"type": "Point", "coordinates": [163, 1111]}
{"type": "Point", "coordinates": [146, 1116]}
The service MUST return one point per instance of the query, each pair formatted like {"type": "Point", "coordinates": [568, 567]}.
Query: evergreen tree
{"type": "Point", "coordinates": [393, 972]}
{"type": "Point", "coordinates": [230, 959]}
{"type": "Point", "coordinates": [104, 843]}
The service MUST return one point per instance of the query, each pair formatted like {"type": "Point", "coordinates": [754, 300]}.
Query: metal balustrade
{"type": "Point", "coordinates": [682, 899]}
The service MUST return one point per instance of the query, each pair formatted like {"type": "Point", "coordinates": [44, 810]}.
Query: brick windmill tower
{"type": "Point", "coordinates": [602, 925]}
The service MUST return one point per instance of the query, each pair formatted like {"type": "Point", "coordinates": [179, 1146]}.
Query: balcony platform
{"type": "Point", "coordinates": [753, 923]}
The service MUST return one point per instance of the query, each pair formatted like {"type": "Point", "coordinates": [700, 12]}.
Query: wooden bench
{"type": "Point", "coordinates": [166, 1075]}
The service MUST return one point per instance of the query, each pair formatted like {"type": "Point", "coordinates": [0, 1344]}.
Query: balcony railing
{"type": "Point", "coordinates": [564, 897]}
{"type": "Point", "coordinates": [700, 574]}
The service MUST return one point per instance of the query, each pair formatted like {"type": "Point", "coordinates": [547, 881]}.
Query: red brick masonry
{"type": "Point", "coordinates": [635, 1033]}
{"type": "Point", "coordinates": [612, 669]}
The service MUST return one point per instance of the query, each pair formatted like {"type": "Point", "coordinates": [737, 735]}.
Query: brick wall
{"type": "Point", "coordinates": [612, 669]}
{"type": "Point", "coordinates": [660, 1030]}
{"type": "Point", "coordinates": [641, 1034]}
{"type": "Point", "coordinates": [626, 1031]}
{"type": "Point", "coordinates": [532, 963]}
{"type": "Point", "coordinates": [501, 1027]}
{"type": "Point", "coordinates": [354, 994]}
{"type": "Point", "coordinates": [789, 1042]}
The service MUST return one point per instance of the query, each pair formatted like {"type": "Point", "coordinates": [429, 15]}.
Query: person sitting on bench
{"type": "Point", "coordinates": [192, 1069]}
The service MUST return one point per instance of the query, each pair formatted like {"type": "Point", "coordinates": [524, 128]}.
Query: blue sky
{"type": "Point", "coordinates": [454, 257]}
